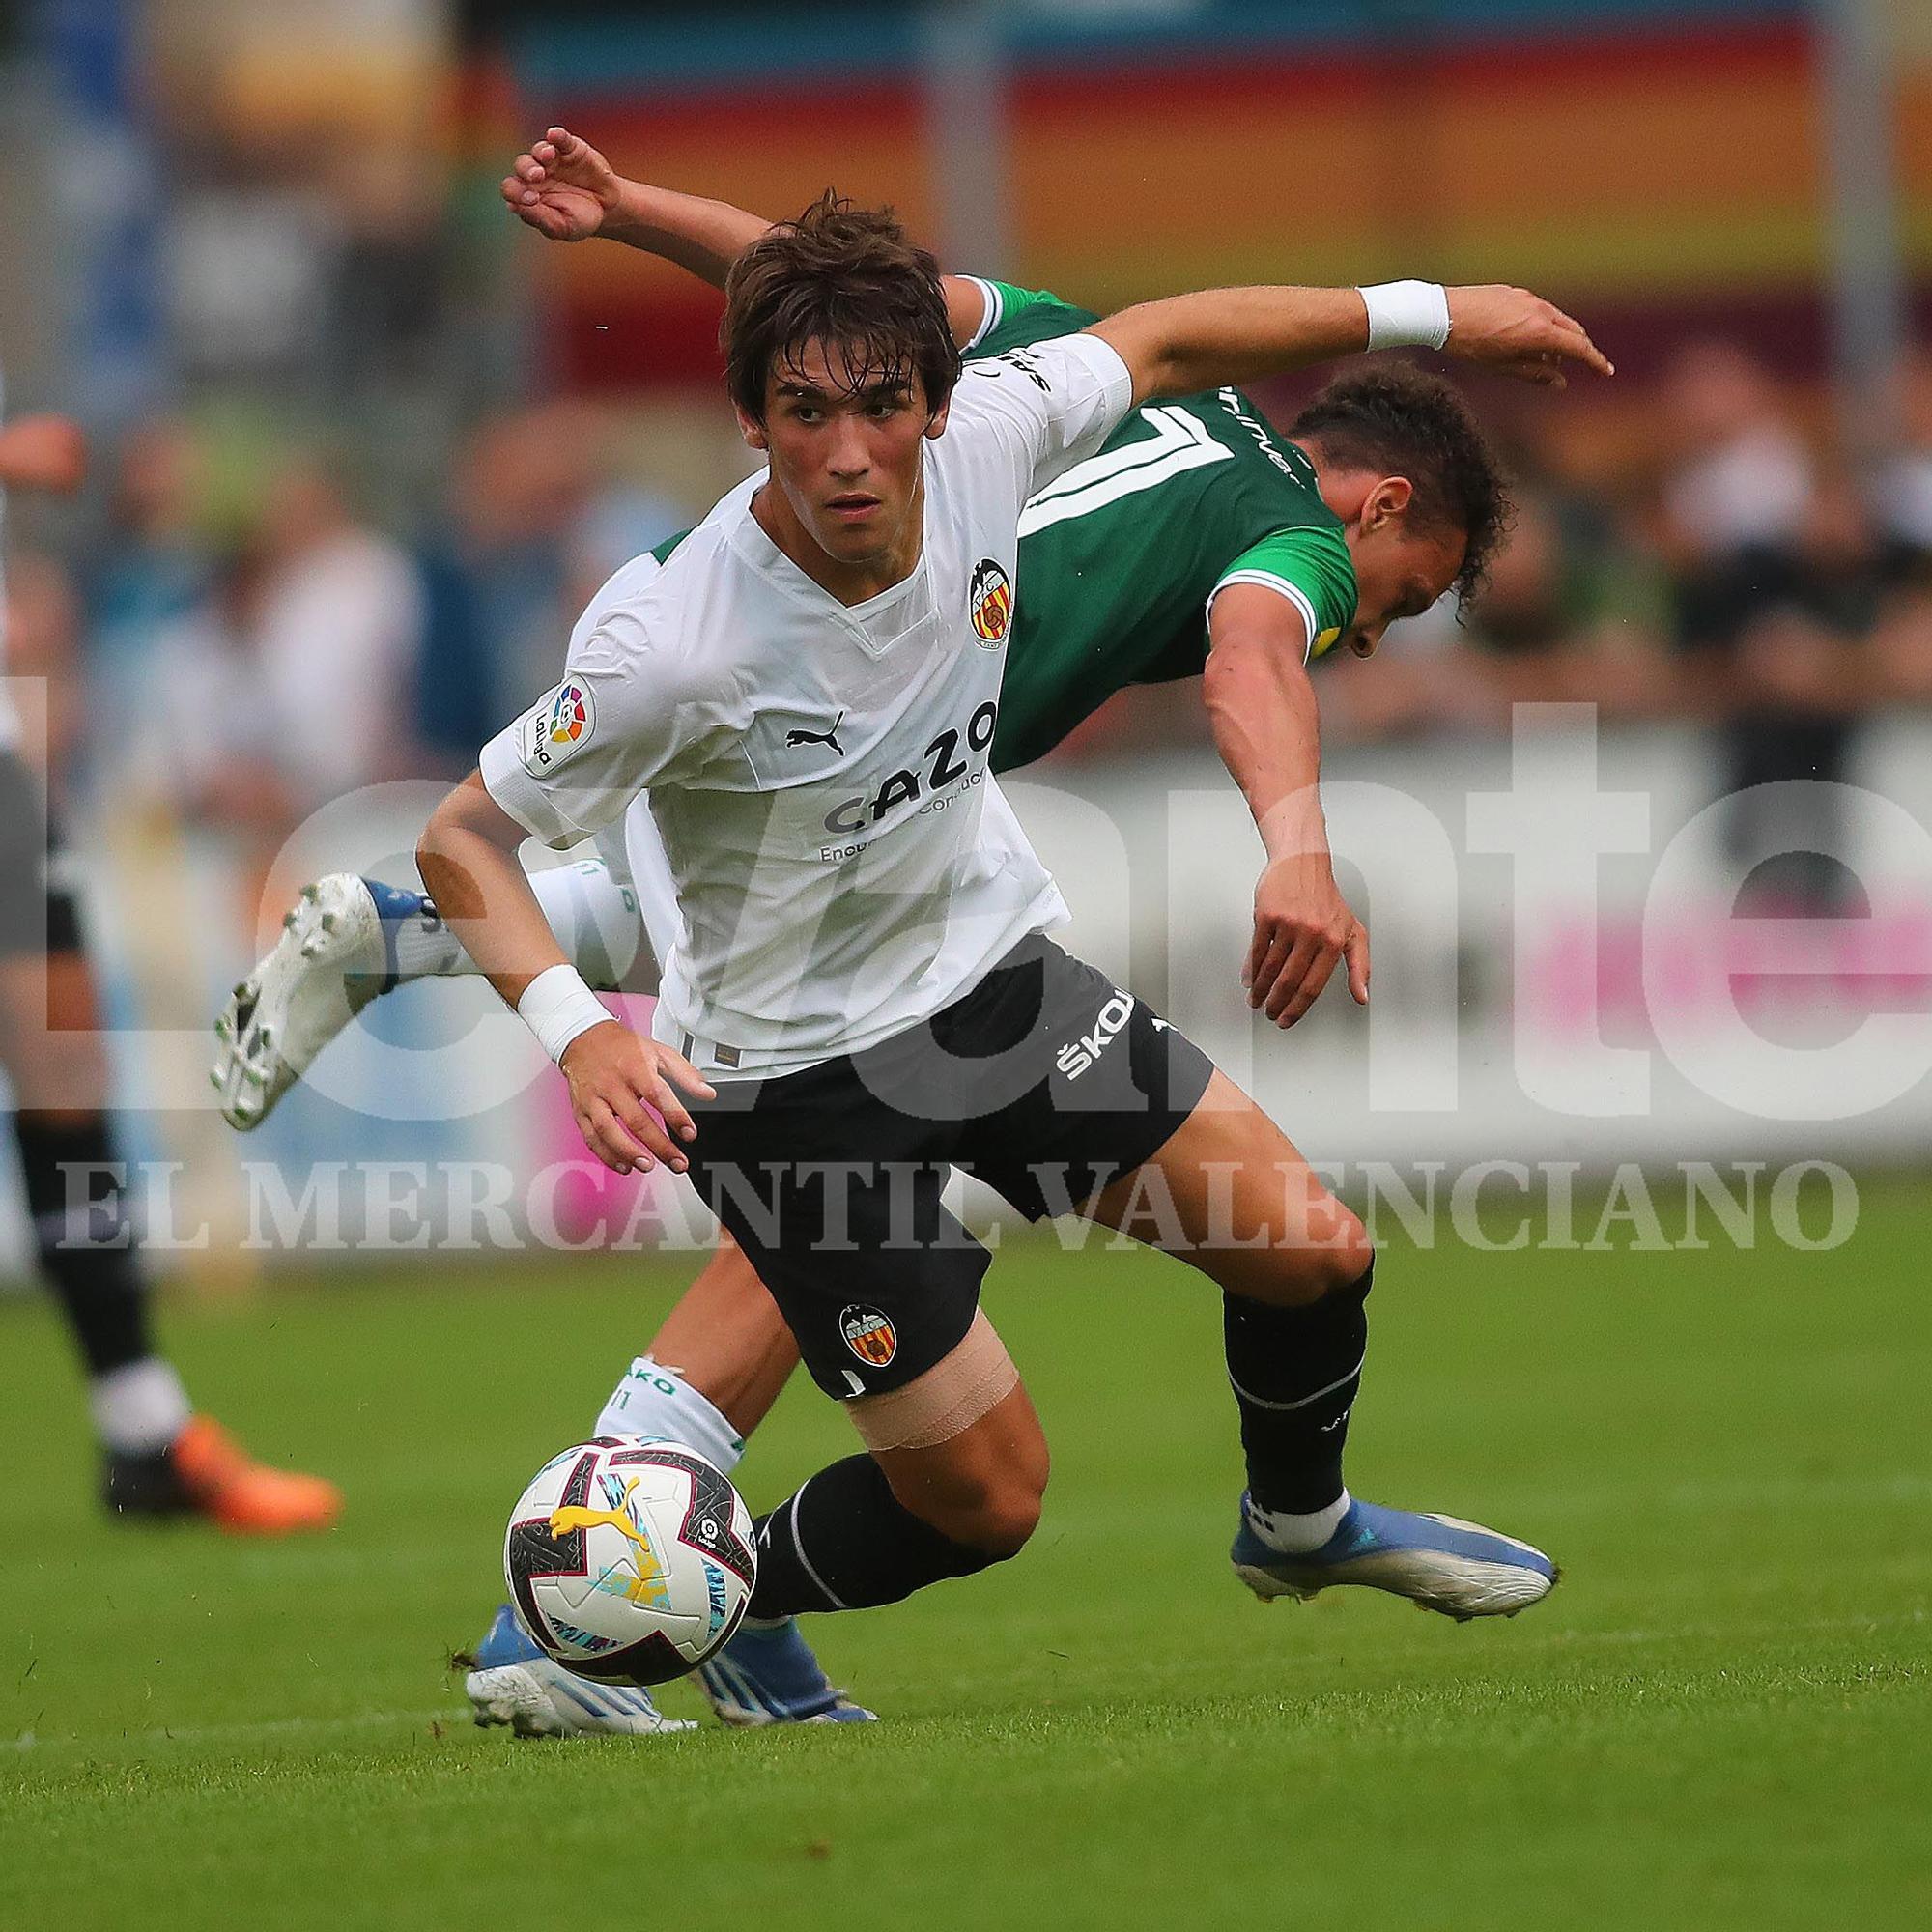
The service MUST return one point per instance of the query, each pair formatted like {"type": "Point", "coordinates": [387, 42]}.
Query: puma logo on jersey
{"type": "Point", "coordinates": [794, 739]}
{"type": "Point", "coordinates": [943, 767]}
{"type": "Point", "coordinates": [1079, 1054]}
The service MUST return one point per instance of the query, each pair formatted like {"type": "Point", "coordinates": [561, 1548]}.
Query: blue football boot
{"type": "Point", "coordinates": [768, 1675]}
{"type": "Point", "coordinates": [512, 1682]}
{"type": "Point", "coordinates": [1437, 1562]}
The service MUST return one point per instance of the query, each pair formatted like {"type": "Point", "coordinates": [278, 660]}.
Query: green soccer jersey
{"type": "Point", "coordinates": [1120, 555]}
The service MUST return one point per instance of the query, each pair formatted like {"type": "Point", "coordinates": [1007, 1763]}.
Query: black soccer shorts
{"type": "Point", "coordinates": [1045, 1080]}
{"type": "Point", "coordinates": [39, 909]}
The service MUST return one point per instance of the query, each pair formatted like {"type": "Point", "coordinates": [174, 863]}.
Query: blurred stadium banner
{"type": "Point", "coordinates": [1662, 162]}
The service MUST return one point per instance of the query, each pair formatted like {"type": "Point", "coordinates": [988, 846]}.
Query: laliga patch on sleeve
{"type": "Point", "coordinates": [556, 727]}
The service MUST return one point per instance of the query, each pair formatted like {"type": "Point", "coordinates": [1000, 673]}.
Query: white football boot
{"type": "Point", "coordinates": [330, 961]}
{"type": "Point", "coordinates": [512, 1682]}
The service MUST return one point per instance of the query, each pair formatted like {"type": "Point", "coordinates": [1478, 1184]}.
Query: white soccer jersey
{"type": "Point", "coordinates": [845, 864]}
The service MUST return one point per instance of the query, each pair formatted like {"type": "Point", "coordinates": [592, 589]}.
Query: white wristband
{"type": "Point", "coordinates": [558, 1005]}
{"type": "Point", "coordinates": [1407, 315]}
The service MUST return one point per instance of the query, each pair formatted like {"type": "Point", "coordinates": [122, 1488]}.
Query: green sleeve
{"type": "Point", "coordinates": [1312, 569]}
{"type": "Point", "coordinates": [1015, 317]}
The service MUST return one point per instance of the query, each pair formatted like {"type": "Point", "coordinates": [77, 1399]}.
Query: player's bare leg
{"type": "Point", "coordinates": [982, 1487]}
{"type": "Point", "coordinates": [1252, 1215]}
{"type": "Point", "coordinates": [725, 1339]}
{"type": "Point", "coordinates": [162, 1459]}
{"type": "Point", "coordinates": [1229, 1194]}
{"type": "Point", "coordinates": [951, 1482]}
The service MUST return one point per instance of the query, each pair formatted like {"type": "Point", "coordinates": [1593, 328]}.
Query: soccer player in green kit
{"type": "Point", "coordinates": [1195, 506]}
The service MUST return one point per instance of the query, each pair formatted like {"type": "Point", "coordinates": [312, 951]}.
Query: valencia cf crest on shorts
{"type": "Point", "coordinates": [991, 599]}
{"type": "Point", "coordinates": [868, 1334]}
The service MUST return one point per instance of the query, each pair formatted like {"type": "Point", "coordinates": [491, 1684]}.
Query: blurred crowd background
{"type": "Point", "coordinates": [361, 445]}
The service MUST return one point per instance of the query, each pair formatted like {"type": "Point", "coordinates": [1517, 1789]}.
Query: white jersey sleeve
{"type": "Point", "coordinates": [1052, 404]}
{"type": "Point", "coordinates": [631, 711]}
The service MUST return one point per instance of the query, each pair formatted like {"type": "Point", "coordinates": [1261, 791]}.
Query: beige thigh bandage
{"type": "Point", "coordinates": [945, 1402]}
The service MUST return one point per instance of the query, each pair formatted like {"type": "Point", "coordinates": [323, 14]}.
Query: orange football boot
{"type": "Point", "coordinates": [204, 1471]}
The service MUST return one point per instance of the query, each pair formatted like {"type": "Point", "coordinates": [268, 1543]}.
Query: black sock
{"type": "Point", "coordinates": [87, 1255]}
{"type": "Point", "coordinates": [1295, 1372]}
{"type": "Point", "coordinates": [844, 1542]}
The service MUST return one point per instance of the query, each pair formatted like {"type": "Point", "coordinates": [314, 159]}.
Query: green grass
{"type": "Point", "coordinates": [1720, 1719]}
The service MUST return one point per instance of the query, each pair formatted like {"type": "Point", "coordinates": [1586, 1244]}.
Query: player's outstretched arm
{"type": "Point", "coordinates": [467, 856]}
{"type": "Point", "coordinates": [43, 453]}
{"type": "Point", "coordinates": [1202, 341]}
{"type": "Point", "coordinates": [1260, 703]}
{"type": "Point", "coordinates": [566, 191]}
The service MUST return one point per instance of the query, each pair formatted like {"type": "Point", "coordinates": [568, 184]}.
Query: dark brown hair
{"type": "Point", "coordinates": [841, 275]}
{"type": "Point", "coordinates": [1401, 421]}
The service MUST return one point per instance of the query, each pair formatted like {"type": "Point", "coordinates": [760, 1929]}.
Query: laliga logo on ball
{"type": "Point", "coordinates": [990, 599]}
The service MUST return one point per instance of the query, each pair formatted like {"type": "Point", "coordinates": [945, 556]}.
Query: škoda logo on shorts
{"type": "Point", "coordinates": [868, 1335]}
{"type": "Point", "coordinates": [1078, 1055]}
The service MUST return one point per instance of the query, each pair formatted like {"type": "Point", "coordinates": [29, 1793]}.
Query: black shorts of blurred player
{"type": "Point", "coordinates": [161, 1458]}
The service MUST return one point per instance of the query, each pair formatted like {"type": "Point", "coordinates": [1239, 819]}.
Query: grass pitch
{"type": "Point", "coordinates": [1720, 1720]}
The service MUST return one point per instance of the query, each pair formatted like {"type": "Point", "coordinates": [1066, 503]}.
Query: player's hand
{"type": "Point", "coordinates": [622, 1092]}
{"type": "Point", "coordinates": [1519, 333]}
{"type": "Point", "coordinates": [562, 188]}
{"type": "Point", "coordinates": [1303, 931]}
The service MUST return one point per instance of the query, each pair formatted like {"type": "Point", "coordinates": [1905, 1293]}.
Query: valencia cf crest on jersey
{"type": "Point", "coordinates": [991, 599]}
{"type": "Point", "coordinates": [868, 1334]}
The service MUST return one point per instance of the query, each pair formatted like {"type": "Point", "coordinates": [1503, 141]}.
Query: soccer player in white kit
{"type": "Point", "coordinates": [863, 991]}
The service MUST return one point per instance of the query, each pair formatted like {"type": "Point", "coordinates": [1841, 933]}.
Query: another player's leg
{"type": "Point", "coordinates": [1294, 1266]}
{"type": "Point", "coordinates": [348, 940]}
{"type": "Point", "coordinates": [161, 1459]}
{"type": "Point", "coordinates": [709, 1379]}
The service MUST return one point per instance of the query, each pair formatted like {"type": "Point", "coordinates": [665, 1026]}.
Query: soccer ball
{"type": "Point", "coordinates": [630, 1559]}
